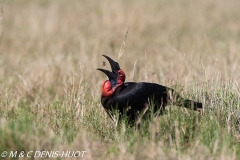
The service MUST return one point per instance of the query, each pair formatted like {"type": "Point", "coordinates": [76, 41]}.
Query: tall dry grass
{"type": "Point", "coordinates": [50, 89]}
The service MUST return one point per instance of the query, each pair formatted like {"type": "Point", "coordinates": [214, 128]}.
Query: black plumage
{"type": "Point", "coordinates": [135, 99]}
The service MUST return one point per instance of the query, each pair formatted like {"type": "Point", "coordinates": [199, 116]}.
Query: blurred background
{"type": "Point", "coordinates": [172, 41]}
{"type": "Point", "coordinates": [50, 50]}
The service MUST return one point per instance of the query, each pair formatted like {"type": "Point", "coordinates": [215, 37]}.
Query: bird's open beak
{"type": "Point", "coordinates": [115, 68]}
{"type": "Point", "coordinates": [114, 65]}
{"type": "Point", "coordinates": [111, 75]}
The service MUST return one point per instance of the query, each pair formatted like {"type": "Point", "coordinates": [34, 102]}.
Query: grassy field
{"type": "Point", "coordinates": [50, 88]}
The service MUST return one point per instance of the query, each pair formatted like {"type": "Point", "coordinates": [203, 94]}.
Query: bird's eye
{"type": "Point", "coordinates": [121, 75]}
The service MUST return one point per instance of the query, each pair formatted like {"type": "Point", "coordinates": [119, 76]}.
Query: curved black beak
{"type": "Point", "coordinates": [114, 65]}
{"type": "Point", "coordinates": [111, 75]}
{"type": "Point", "coordinates": [115, 68]}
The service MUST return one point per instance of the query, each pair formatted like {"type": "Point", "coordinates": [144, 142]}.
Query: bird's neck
{"type": "Point", "coordinates": [108, 89]}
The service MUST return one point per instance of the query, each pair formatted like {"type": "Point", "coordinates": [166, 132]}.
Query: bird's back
{"type": "Point", "coordinates": [137, 95]}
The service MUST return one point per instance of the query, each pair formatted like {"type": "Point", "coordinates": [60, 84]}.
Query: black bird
{"type": "Point", "coordinates": [135, 99]}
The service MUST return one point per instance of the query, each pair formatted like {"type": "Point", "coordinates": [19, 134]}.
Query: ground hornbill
{"type": "Point", "coordinates": [136, 99]}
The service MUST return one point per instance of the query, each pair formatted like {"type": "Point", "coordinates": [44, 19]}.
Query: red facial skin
{"type": "Point", "coordinates": [107, 89]}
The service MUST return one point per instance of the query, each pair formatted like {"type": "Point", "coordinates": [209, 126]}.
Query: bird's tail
{"type": "Point", "coordinates": [176, 99]}
{"type": "Point", "coordinates": [191, 104]}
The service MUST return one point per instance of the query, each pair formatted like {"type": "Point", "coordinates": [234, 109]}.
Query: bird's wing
{"type": "Point", "coordinates": [137, 94]}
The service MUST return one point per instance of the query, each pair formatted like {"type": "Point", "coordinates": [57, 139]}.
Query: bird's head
{"type": "Point", "coordinates": [115, 78]}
